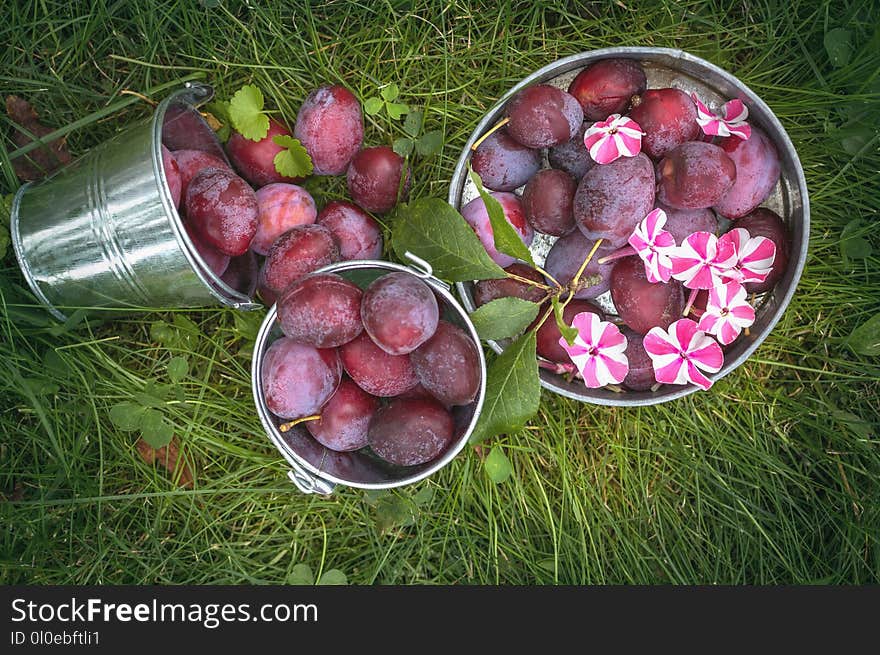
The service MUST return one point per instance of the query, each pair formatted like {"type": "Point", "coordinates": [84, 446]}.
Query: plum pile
{"type": "Point", "coordinates": [259, 230]}
{"type": "Point", "coordinates": [585, 201]}
{"type": "Point", "coordinates": [375, 368]}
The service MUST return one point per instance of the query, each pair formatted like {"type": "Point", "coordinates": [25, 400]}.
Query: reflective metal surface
{"type": "Point", "coordinates": [104, 232]}
{"type": "Point", "coordinates": [667, 67]}
{"type": "Point", "coordinates": [316, 469]}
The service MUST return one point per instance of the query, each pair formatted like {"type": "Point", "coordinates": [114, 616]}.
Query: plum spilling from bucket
{"type": "Point", "coordinates": [328, 134]}
{"type": "Point", "coordinates": [633, 206]}
{"type": "Point", "coordinates": [404, 367]}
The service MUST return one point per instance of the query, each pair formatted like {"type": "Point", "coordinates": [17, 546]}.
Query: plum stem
{"type": "Point", "coordinates": [623, 251]}
{"type": "Point", "coordinates": [690, 303]}
{"type": "Point", "coordinates": [544, 318]}
{"type": "Point", "coordinates": [531, 283]}
{"type": "Point", "coordinates": [557, 367]}
{"type": "Point", "coordinates": [495, 128]}
{"type": "Point", "coordinates": [577, 276]}
{"type": "Point", "coordinates": [284, 427]}
{"type": "Point", "coordinates": [548, 276]}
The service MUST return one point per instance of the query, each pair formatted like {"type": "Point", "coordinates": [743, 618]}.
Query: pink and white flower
{"type": "Point", "coordinates": [598, 350]}
{"type": "Point", "coordinates": [731, 122]}
{"type": "Point", "coordinates": [754, 256]}
{"type": "Point", "coordinates": [702, 259]}
{"type": "Point", "coordinates": [615, 137]}
{"type": "Point", "coordinates": [727, 312]}
{"type": "Point", "coordinates": [680, 355]}
{"type": "Point", "coordinates": [654, 245]}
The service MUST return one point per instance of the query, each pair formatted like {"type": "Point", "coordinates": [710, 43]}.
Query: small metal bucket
{"type": "Point", "coordinates": [667, 67]}
{"type": "Point", "coordinates": [103, 232]}
{"type": "Point", "coordinates": [316, 469]}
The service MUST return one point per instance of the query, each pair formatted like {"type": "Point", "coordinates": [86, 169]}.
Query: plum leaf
{"type": "Point", "coordinates": [852, 244]}
{"type": "Point", "coordinates": [246, 113]}
{"type": "Point", "coordinates": [155, 430]}
{"type": "Point", "coordinates": [430, 143]}
{"type": "Point", "coordinates": [504, 317]}
{"type": "Point", "coordinates": [838, 45]}
{"type": "Point", "coordinates": [513, 390]}
{"type": "Point", "coordinates": [294, 160]}
{"type": "Point", "coordinates": [507, 239]}
{"type": "Point", "coordinates": [431, 229]}
{"type": "Point", "coordinates": [497, 465]}
{"type": "Point", "coordinates": [865, 339]}
{"type": "Point", "coordinates": [565, 329]}
{"type": "Point", "coordinates": [373, 105]}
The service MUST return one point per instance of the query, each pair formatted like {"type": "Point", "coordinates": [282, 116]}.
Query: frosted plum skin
{"type": "Point", "coordinates": [548, 334]}
{"type": "Point", "coordinates": [330, 125]}
{"type": "Point", "coordinates": [607, 87]}
{"type": "Point", "coordinates": [282, 206]}
{"type": "Point", "coordinates": [216, 260]}
{"type": "Point", "coordinates": [357, 233]}
{"type": "Point", "coordinates": [757, 172]}
{"type": "Point", "coordinates": [547, 202]}
{"type": "Point", "coordinates": [641, 304]}
{"type": "Point", "coordinates": [565, 259]}
{"type": "Point", "coordinates": [223, 209]}
{"type": "Point", "coordinates": [694, 175]}
{"type": "Point", "coordinates": [374, 370]}
{"type": "Point", "coordinates": [297, 253]}
{"type": "Point", "coordinates": [572, 156]}
{"type": "Point", "coordinates": [255, 160]}
{"type": "Point", "coordinates": [681, 223]}
{"type": "Point", "coordinates": [172, 175]}
{"type": "Point", "coordinates": [191, 162]}
{"type": "Point", "coordinates": [399, 312]}
{"type": "Point", "coordinates": [763, 222]}
{"type": "Point", "coordinates": [489, 290]}
{"type": "Point", "coordinates": [543, 116]}
{"type": "Point", "coordinates": [322, 310]}
{"type": "Point", "coordinates": [668, 117]}
{"type": "Point", "coordinates": [345, 418]}
{"type": "Point", "coordinates": [612, 198]}
{"type": "Point", "coordinates": [373, 179]}
{"type": "Point", "coordinates": [503, 163]}
{"type": "Point", "coordinates": [298, 379]}
{"type": "Point", "coordinates": [477, 216]}
{"type": "Point", "coordinates": [448, 365]}
{"type": "Point", "coordinates": [411, 431]}
{"type": "Point", "coordinates": [640, 376]}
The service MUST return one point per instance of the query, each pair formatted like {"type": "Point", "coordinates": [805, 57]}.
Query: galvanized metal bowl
{"type": "Point", "coordinates": [667, 67]}
{"type": "Point", "coordinates": [103, 232]}
{"type": "Point", "coordinates": [316, 469]}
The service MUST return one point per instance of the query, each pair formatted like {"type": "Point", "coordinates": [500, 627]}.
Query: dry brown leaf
{"type": "Point", "coordinates": [42, 161]}
{"type": "Point", "coordinates": [168, 456]}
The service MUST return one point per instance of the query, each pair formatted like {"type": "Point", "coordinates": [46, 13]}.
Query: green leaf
{"type": "Point", "coordinates": [854, 423]}
{"type": "Point", "coordinates": [403, 146]}
{"type": "Point", "coordinates": [41, 386]}
{"type": "Point", "coordinates": [430, 143]}
{"type": "Point", "coordinates": [504, 317]}
{"type": "Point", "coordinates": [390, 92]}
{"type": "Point", "coordinates": [497, 465]}
{"type": "Point", "coordinates": [394, 511]}
{"type": "Point", "coordinates": [413, 123]}
{"type": "Point", "coordinates": [178, 367]}
{"type": "Point", "coordinates": [373, 496]}
{"type": "Point", "coordinates": [373, 105]}
{"type": "Point", "coordinates": [294, 160]}
{"type": "Point", "coordinates": [513, 390]}
{"type": "Point", "coordinates": [396, 110]}
{"type": "Point", "coordinates": [5, 240]}
{"type": "Point", "coordinates": [431, 229]}
{"type": "Point", "coordinates": [6, 209]}
{"type": "Point", "coordinates": [246, 113]}
{"type": "Point", "coordinates": [155, 430]}
{"type": "Point", "coordinates": [865, 339]}
{"type": "Point", "coordinates": [424, 495]}
{"type": "Point", "coordinates": [852, 244]}
{"type": "Point", "coordinates": [565, 329]}
{"type": "Point", "coordinates": [507, 239]}
{"type": "Point", "coordinates": [127, 416]}
{"type": "Point", "coordinates": [301, 574]}
{"type": "Point", "coordinates": [838, 45]}
{"type": "Point", "coordinates": [333, 577]}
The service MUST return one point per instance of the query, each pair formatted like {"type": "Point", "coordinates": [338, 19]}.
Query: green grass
{"type": "Point", "coordinates": [772, 477]}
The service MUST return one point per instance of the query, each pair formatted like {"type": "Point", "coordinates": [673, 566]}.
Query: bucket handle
{"type": "Point", "coordinates": [308, 483]}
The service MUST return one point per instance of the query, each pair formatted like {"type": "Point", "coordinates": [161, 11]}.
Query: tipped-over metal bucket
{"type": "Point", "coordinates": [316, 469]}
{"type": "Point", "coordinates": [104, 231]}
